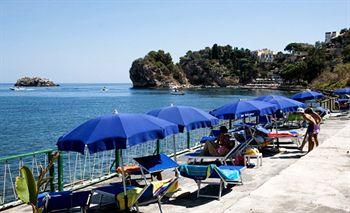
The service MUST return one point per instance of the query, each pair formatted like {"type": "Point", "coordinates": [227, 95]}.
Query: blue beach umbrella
{"type": "Point", "coordinates": [117, 131]}
{"type": "Point", "coordinates": [307, 95]}
{"type": "Point", "coordinates": [240, 109]}
{"type": "Point", "coordinates": [282, 103]}
{"type": "Point", "coordinates": [185, 117]}
{"type": "Point", "coordinates": [343, 91]}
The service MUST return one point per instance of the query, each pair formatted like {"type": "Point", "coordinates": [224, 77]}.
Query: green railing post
{"type": "Point", "coordinates": [117, 159]}
{"type": "Point", "coordinates": [60, 172]}
{"type": "Point", "coordinates": [51, 172]}
{"type": "Point", "coordinates": [158, 147]}
{"type": "Point", "coordinates": [188, 140]}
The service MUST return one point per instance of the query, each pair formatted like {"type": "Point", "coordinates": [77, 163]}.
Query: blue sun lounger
{"type": "Point", "coordinates": [155, 163]}
{"type": "Point", "coordinates": [197, 155]}
{"type": "Point", "coordinates": [202, 174]}
{"type": "Point", "coordinates": [147, 194]}
{"type": "Point", "coordinates": [65, 200]}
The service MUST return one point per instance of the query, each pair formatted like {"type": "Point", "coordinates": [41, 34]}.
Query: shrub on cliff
{"type": "Point", "coordinates": [333, 79]}
{"type": "Point", "coordinates": [219, 66]}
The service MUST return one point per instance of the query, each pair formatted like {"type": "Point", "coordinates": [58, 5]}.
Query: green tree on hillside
{"type": "Point", "coordinates": [297, 48]}
{"type": "Point", "coordinates": [294, 72]}
{"type": "Point", "coordinates": [215, 52]}
{"type": "Point", "coordinates": [346, 54]}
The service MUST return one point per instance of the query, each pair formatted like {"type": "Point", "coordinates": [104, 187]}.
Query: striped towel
{"type": "Point", "coordinates": [196, 172]}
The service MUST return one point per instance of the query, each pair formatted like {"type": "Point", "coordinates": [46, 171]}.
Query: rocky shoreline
{"type": "Point", "coordinates": [268, 87]}
{"type": "Point", "coordinates": [34, 82]}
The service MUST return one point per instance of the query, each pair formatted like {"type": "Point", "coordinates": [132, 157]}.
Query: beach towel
{"type": "Point", "coordinates": [202, 172]}
{"type": "Point", "coordinates": [228, 173]}
{"type": "Point", "coordinates": [155, 188]}
{"type": "Point", "coordinates": [196, 172]}
{"type": "Point", "coordinates": [132, 195]}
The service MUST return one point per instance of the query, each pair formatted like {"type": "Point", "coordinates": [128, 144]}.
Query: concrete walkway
{"type": "Point", "coordinates": [318, 182]}
{"type": "Point", "coordinates": [287, 182]}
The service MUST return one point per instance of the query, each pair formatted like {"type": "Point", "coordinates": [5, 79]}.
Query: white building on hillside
{"type": "Point", "coordinates": [265, 55]}
{"type": "Point", "coordinates": [330, 35]}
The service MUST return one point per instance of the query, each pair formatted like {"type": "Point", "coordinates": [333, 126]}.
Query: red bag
{"type": "Point", "coordinates": [239, 160]}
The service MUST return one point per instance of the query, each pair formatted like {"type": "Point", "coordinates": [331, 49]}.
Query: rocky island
{"type": "Point", "coordinates": [323, 65]}
{"type": "Point", "coordinates": [34, 82]}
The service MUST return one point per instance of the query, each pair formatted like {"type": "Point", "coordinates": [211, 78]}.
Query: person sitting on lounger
{"type": "Point", "coordinates": [221, 146]}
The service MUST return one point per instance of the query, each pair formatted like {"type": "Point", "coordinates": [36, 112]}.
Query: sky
{"type": "Point", "coordinates": [97, 41]}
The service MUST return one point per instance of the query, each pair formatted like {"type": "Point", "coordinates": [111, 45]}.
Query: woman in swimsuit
{"type": "Point", "coordinates": [318, 121]}
{"type": "Point", "coordinates": [311, 129]}
{"type": "Point", "coordinates": [219, 148]}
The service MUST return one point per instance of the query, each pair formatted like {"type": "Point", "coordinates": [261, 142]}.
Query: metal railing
{"type": "Point", "coordinates": [74, 170]}
{"type": "Point", "coordinates": [328, 103]}
{"type": "Point", "coordinates": [9, 169]}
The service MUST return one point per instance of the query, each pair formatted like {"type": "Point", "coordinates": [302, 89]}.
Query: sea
{"type": "Point", "coordinates": [33, 119]}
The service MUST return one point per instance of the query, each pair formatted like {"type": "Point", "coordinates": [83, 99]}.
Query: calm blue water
{"type": "Point", "coordinates": [34, 119]}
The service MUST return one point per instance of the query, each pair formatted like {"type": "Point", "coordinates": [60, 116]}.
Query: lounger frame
{"type": "Point", "coordinates": [156, 198]}
{"type": "Point", "coordinates": [223, 159]}
{"type": "Point", "coordinates": [222, 184]}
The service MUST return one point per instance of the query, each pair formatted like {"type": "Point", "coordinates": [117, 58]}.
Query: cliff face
{"type": "Point", "coordinates": [156, 69]}
{"type": "Point", "coordinates": [34, 82]}
{"type": "Point", "coordinates": [219, 66]}
{"type": "Point", "coordinates": [201, 73]}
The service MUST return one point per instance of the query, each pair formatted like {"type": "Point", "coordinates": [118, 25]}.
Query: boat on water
{"type": "Point", "coordinates": [177, 91]}
{"type": "Point", "coordinates": [104, 89]}
{"type": "Point", "coordinates": [17, 88]}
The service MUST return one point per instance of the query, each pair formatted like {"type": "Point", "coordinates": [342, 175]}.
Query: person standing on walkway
{"type": "Point", "coordinates": [318, 121]}
{"type": "Point", "coordinates": [313, 127]}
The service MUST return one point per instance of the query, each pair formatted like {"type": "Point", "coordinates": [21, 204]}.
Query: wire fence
{"type": "Point", "coordinates": [74, 170]}
{"type": "Point", "coordinates": [10, 168]}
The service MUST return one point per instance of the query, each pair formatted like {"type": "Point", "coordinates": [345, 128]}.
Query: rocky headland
{"type": "Point", "coordinates": [156, 69]}
{"type": "Point", "coordinates": [323, 65]}
{"type": "Point", "coordinates": [34, 82]}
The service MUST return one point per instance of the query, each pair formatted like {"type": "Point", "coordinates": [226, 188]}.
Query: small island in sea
{"type": "Point", "coordinates": [34, 82]}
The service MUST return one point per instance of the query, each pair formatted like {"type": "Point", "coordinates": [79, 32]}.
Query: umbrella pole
{"type": "Point", "coordinates": [158, 147]}
{"type": "Point", "coordinates": [117, 159]}
{"type": "Point", "coordinates": [278, 140]}
{"type": "Point", "coordinates": [123, 179]}
{"type": "Point", "coordinates": [174, 144]}
{"type": "Point", "coordinates": [188, 140]}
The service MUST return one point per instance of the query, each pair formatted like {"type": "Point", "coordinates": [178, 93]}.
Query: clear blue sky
{"type": "Point", "coordinates": [96, 41]}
